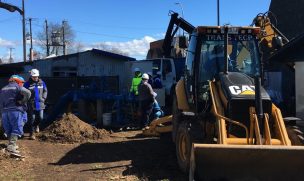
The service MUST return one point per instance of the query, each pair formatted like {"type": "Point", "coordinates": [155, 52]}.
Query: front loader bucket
{"type": "Point", "coordinates": [246, 162]}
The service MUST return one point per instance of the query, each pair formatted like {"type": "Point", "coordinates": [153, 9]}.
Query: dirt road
{"type": "Point", "coordinates": [121, 156]}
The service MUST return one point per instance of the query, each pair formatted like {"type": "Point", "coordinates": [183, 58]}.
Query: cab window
{"type": "Point", "coordinates": [191, 55]}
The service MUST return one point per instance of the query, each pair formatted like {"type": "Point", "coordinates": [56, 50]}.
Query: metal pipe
{"type": "Point", "coordinates": [219, 116]}
{"type": "Point", "coordinates": [225, 49]}
{"type": "Point", "coordinates": [258, 102]}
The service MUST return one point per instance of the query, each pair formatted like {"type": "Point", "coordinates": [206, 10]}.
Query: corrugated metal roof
{"type": "Point", "coordinates": [110, 54]}
{"type": "Point", "coordinates": [96, 51]}
{"type": "Point", "coordinates": [19, 66]}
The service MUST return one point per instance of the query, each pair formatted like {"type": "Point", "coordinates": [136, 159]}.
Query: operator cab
{"type": "Point", "coordinates": [242, 51]}
{"type": "Point", "coordinates": [242, 61]}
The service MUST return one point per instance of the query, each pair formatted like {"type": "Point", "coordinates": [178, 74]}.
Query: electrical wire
{"type": "Point", "coordinates": [106, 35]}
{"type": "Point", "coordinates": [120, 27]}
{"type": "Point", "coordinates": [8, 19]}
{"type": "Point", "coordinates": [84, 32]}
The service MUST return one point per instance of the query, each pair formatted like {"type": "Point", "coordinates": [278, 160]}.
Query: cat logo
{"type": "Point", "coordinates": [242, 89]}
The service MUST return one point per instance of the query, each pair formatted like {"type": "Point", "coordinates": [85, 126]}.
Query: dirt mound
{"type": "Point", "coordinates": [70, 129]}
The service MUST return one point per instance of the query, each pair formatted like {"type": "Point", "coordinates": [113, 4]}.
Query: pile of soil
{"type": "Point", "coordinates": [70, 129]}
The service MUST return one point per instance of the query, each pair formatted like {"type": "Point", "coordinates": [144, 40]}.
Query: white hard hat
{"type": "Point", "coordinates": [34, 73]}
{"type": "Point", "coordinates": [145, 76]}
{"type": "Point", "coordinates": [136, 69]}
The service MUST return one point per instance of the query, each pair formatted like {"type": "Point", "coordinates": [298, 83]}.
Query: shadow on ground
{"type": "Point", "coordinates": [152, 159]}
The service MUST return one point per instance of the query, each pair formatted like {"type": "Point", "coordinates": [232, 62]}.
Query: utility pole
{"type": "Point", "coordinates": [58, 39]}
{"type": "Point", "coordinates": [31, 48]}
{"type": "Point", "coordinates": [63, 38]}
{"type": "Point", "coordinates": [23, 32]}
{"type": "Point", "coordinates": [181, 6]}
{"type": "Point", "coordinates": [10, 60]}
{"type": "Point", "coordinates": [13, 8]}
{"type": "Point", "coordinates": [47, 39]}
{"type": "Point", "coordinates": [218, 12]}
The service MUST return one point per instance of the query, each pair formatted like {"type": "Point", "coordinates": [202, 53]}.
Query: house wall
{"type": "Point", "coordinates": [83, 64]}
{"type": "Point", "coordinates": [97, 65]}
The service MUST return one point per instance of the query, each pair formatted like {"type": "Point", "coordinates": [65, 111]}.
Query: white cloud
{"type": "Point", "coordinates": [137, 48]}
{"type": "Point", "coordinates": [160, 35]}
{"type": "Point", "coordinates": [6, 43]}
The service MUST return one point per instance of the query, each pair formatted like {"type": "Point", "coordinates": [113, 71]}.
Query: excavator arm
{"type": "Point", "coordinates": [271, 39]}
{"type": "Point", "coordinates": [171, 31]}
{"type": "Point", "coordinates": [158, 126]}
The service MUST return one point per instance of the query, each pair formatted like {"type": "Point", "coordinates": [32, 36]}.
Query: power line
{"type": "Point", "coordinates": [119, 27]}
{"type": "Point", "coordinates": [40, 25]}
{"type": "Point", "coordinates": [110, 26]}
{"type": "Point", "coordinates": [90, 33]}
{"type": "Point", "coordinates": [8, 19]}
{"type": "Point", "coordinates": [106, 35]}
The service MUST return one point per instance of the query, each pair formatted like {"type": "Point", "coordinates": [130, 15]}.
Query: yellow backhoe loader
{"type": "Point", "coordinates": [225, 125]}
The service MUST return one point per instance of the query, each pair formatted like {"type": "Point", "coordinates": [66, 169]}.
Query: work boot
{"type": "Point", "coordinates": [12, 147]}
{"type": "Point", "coordinates": [146, 128]}
{"type": "Point", "coordinates": [32, 136]}
{"type": "Point", "coordinates": [37, 130]}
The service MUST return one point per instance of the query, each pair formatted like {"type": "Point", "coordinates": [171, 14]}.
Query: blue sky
{"type": "Point", "coordinates": [125, 24]}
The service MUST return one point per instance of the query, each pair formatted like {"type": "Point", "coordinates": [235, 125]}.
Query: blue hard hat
{"type": "Point", "coordinates": [16, 78]}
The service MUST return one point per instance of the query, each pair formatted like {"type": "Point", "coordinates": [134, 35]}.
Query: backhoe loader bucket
{"type": "Point", "coordinates": [159, 126]}
{"type": "Point", "coordinates": [246, 162]}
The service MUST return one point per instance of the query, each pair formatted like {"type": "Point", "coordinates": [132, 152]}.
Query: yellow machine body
{"type": "Point", "coordinates": [158, 126]}
{"type": "Point", "coordinates": [254, 157]}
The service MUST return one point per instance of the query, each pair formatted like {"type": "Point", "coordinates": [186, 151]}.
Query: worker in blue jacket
{"type": "Point", "coordinates": [157, 81]}
{"type": "Point", "coordinates": [13, 101]}
{"type": "Point", "coordinates": [157, 112]}
{"type": "Point", "coordinates": [37, 101]}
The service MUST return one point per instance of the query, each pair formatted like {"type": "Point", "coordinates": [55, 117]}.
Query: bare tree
{"type": "Point", "coordinates": [56, 33]}
{"type": "Point", "coordinates": [79, 47]}
{"type": "Point", "coordinates": [37, 55]}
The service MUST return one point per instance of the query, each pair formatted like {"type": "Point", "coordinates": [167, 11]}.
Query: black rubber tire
{"type": "Point", "coordinates": [176, 118]}
{"type": "Point", "coordinates": [183, 145]}
{"type": "Point", "coordinates": [295, 134]}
